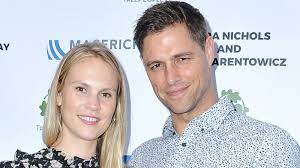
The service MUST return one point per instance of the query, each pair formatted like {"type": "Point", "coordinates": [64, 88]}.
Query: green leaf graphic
{"type": "Point", "coordinates": [238, 108]}
{"type": "Point", "coordinates": [43, 108]}
{"type": "Point", "coordinates": [234, 97]}
{"type": "Point", "coordinates": [223, 93]}
{"type": "Point", "coordinates": [236, 100]}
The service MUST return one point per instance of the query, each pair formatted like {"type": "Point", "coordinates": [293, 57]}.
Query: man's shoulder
{"type": "Point", "coordinates": [275, 146]}
{"type": "Point", "coordinates": [270, 145]}
{"type": "Point", "coordinates": [146, 152]}
{"type": "Point", "coordinates": [249, 124]}
{"type": "Point", "coordinates": [261, 131]}
{"type": "Point", "coordinates": [148, 146]}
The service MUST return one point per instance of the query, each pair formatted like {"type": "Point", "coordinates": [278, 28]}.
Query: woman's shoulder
{"type": "Point", "coordinates": [23, 159]}
{"type": "Point", "coordinates": [47, 157]}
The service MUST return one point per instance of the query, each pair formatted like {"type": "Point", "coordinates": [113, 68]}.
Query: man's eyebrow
{"type": "Point", "coordinates": [182, 54]}
{"type": "Point", "coordinates": [174, 56]}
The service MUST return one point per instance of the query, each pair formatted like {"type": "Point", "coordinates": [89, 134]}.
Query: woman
{"type": "Point", "coordinates": [84, 125]}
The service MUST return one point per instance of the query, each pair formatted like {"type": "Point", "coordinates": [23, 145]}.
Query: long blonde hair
{"type": "Point", "coordinates": [111, 143]}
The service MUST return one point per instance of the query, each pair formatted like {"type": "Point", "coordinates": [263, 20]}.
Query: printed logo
{"type": "Point", "coordinates": [236, 100]}
{"type": "Point", "coordinates": [57, 49]}
{"type": "Point", "coordinates": [126, 159]}
{"type": "Point", "coordinates": [231, 45]}
{"type": "Point", "coordinates": [54, 50]}
{"type": "Point", "coordinates": [43, 106]}
{"type": "Point", "coordinates": [4, 46]}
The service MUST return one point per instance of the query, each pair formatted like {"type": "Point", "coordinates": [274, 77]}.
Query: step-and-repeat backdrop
{"type": "Point", "coordinates": [257, 65]}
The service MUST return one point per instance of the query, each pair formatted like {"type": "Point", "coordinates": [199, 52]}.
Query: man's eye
{"type": "Point", "coordinates": [183, 59]}
{"type": "Point", "coordinates": [81, 89]}
{"type": "Point", "coordinates": [155, 66]}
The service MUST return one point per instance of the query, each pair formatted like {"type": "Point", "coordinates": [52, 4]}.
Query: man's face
{"type": "Point", "coordinates": [178, 68]}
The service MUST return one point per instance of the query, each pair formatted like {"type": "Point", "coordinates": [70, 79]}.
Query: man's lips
{"type": "Point", "coordinates": [176, 93]}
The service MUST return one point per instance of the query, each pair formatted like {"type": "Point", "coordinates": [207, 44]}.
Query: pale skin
{"type": "Point", "coordinates": [87, 102]}
{"type": "Point", "coordinates": [180, 73]}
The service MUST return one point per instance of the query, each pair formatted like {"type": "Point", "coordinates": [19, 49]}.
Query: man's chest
{"type": "Point", "coordinates": [205, 151]}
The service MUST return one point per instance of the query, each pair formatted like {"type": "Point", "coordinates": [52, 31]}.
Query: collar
{"type": "Point", "coordinates": [210, 119]}
{"type": "Point", "coordinates": [46, 154]}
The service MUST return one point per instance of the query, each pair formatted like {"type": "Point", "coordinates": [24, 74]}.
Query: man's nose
{"type": "Point", "coordinates": [171, 74]}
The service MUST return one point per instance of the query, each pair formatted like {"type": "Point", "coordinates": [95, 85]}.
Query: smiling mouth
{"type": "Point", "coordinates": [88, 120]}
{"type": "Point", "coordinates": [177, 93]}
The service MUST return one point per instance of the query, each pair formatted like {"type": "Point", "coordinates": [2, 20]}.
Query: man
{"type": "Point", "coordinates": [203, 130]}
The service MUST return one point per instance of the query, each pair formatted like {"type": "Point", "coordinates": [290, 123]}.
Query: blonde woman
{"type": "Point", "coordinates": [84, 125]}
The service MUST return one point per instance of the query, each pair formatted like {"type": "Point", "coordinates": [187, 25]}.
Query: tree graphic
{"type": "Point", "coordinates": [236, 100]}
{"type": "Point", "coordinates": [43, 106]}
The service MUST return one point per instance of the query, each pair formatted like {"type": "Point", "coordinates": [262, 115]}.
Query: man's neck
{"type": "Point", "coordinates": [180, 121]}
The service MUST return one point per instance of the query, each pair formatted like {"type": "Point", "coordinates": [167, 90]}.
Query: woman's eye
{"type": "Point", "coordinates": [81, 89]}
{"type": "Point", "coordinates": [106, 95]}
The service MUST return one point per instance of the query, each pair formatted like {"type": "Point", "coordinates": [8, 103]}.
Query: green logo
{"type": "Point", "coordinates": [236, 100]}
{"type": "Point", "coordinates": [43, 106]}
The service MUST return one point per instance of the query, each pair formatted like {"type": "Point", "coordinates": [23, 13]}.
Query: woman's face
{"type": "Point", "coordinates": [88, 100]}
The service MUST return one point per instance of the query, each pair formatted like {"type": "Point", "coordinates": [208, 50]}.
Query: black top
{"type": "Point", "coordinates": [48, 158]}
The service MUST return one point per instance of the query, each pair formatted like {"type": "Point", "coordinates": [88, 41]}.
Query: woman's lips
{"type": "Point", "coordinates": [89, 120]}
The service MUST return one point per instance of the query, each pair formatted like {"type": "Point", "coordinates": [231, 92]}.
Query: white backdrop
{"type": "Point", "coordinates": [270, 92]}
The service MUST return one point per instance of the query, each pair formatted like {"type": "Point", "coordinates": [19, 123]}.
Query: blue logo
{"type": "Point", "coordinates": [54, 51]}
{"type": "Point", "coordinates": [57, 49]}
{"type": "Point", "coordinates": [126, 158]}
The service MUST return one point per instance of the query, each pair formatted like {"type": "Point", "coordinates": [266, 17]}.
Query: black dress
{"type": "Point", "coordinates": [48, 158]}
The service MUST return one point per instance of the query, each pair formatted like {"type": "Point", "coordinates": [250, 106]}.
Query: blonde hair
{"type": "Point", "coordinates": [111, 143]}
